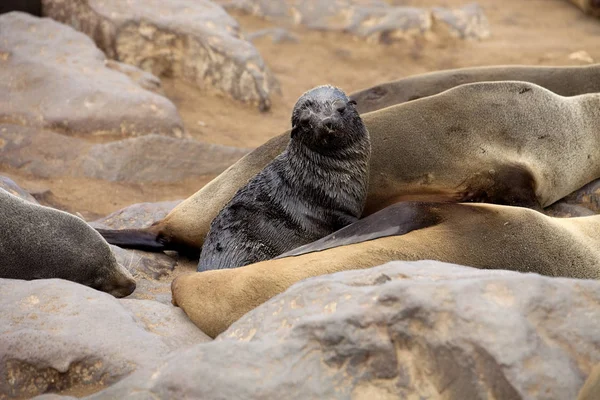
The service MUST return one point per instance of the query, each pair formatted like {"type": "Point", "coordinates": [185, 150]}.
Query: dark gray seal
{"type": "Point", "coordinates": [38, 242]}
{"type": "Point", "coordinates": [315, 187]}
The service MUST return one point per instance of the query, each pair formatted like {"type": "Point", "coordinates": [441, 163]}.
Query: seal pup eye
{"type": "Point", "coordinates": [339, 106]}
{"type": "Point", "coordinates": [353, 102]}
{"type": "Point", "coordinates": [304, 116]}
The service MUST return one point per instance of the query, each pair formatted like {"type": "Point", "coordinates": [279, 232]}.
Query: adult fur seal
{"type": "Point", "coordinates": [478, 235]}
{"type": "Point", "coordinates": [512, 143]}
{"type": "Point", "coordinates": [316, 186]}
{"type": "Point", "coordinates": [565, 81]}
{"type": "Point", "coordinates": [38, 242]}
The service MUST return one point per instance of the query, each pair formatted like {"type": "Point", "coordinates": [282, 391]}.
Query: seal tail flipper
{"type": "Point", "coordinates": [139, 239]}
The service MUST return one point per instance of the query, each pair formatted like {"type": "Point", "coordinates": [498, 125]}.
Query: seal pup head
{"type": "Point", "coordinates": [325, 118]}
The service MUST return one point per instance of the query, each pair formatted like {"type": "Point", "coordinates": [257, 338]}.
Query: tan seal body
{"type": "Point", "coordinates": [38, 242]}
{"type": "Point", "coordinates": [591, 388]}
{"type": "Point", "coordinates": [565, 81]}
{"type": "Point", "coordinates": [477, 235]}
{"type": "Point", "coordinates": [484, 141]}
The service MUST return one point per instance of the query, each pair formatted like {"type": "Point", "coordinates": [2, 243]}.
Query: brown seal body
{"type": "Point", "coordinates": [38, 242]}
{"type": "Point", "coordinates": [477, 235]}
{"type": "Point", "coordinates": [315, 187]}
{"type": "Point", "coordinates": [565, 81]}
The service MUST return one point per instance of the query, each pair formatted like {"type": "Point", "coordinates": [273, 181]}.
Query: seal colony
{"type": "Point", "coordinates": [507, 142]}
{"type": "Point", "coordinates": [38, 242]}
{"type": "Point", "coordinates": [479, 235]}
{"type": "Point", "coordinates": [315, 187]}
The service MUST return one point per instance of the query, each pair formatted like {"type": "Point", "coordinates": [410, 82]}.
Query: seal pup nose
{"type": "Point", "coordinates": [328, 124]}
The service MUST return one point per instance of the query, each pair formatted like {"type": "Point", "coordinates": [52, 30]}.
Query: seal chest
{"type": "Point", "coordinates": [315, 187]}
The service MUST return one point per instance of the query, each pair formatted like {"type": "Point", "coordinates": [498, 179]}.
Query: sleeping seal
{"type": "Point", "coordinates": [565, 81]}
{"type": "Point", "coordinates": [38, 242]}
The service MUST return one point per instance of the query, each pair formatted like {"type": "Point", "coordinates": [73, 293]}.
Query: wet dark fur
{"type": "Point", "coordinates": [315, 187]}
{"type": "Point", "coordinates": [147, 241]}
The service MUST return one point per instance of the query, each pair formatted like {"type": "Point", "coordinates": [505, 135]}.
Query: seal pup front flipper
{"type": "Point", "coordinates": [139, 239]}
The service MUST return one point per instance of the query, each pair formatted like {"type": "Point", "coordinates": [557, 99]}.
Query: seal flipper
{"type": "Point", "coordinates": [139, 239]}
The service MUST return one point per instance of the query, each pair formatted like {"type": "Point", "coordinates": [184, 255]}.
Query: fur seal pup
{"type": "Point", "coordinates": [514, 143]}
{"type": "Point", "coordinates": [565, 81]}
{"type": "Point", "coordinates": [477, 235]}
{"type": "Point", "coordinates": [315, 187]}
{"type": "Point", "coordinates": [38, 242]}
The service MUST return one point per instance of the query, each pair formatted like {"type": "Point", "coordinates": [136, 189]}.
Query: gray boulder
{"type": "Point", "coordinates": [136, 216]}
{"type": "Point", "coordinates": [468, 22]}
{"type": "Point", "coordinates": [153, 272]}
{"type": "Point", "coordinates": [423, 329]}
{"type": "Point", "coordinates": [156, 158]}
{"type": "Point", "coordinates": [53, 77]}
{"type": "Point", "coordinates": [374, 20]}
{"type": "Point", "coordinates": [195, 40]}
{"type": "Point", "coordinates": [58, 336]}
{"type": "Point", "coordinates": [11, 187]}
{"type": "Point", "coordinates": [151, 158]}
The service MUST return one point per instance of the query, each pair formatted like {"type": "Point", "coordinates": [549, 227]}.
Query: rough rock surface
{"type": "Point", "coordinates": [136, 216]}
{"type": "Point", "coordinates": [410, 330]}
{"type": "Point", "coordinates": [195, 40]}
{"type": "Point", "coordinates": [60, 336]}
{"type": "Point", "coordinates": [53, 77]}
{"type": "Point", "coordinates": [151, 158]}
{"type": "Point", "coordinates": [11, 187]}
{"type": "Point", "coordinates": [156, 158]}
{"type": "Point", "coordinates": [153, 272]}
{"type": "Point", "coordinates": [278, 35]}
{"type": "Point", "coordinates": [468, 22]}
{"type": "Point", "coordinates": [373, 20]}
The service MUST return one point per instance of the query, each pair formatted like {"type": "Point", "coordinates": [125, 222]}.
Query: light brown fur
{"type": "Point", "coordinates": [565, 81]}
{"type": "Point", "coordinates": [440, 148]}
{"type": "Point", "coordinates": [478, 235]}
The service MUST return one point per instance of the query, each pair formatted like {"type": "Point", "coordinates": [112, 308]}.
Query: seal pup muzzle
{"type": "Point", "coordinates": [315, 187]}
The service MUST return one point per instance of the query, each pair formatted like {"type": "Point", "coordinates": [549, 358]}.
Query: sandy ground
{"type": "Point", "coordinates": [538, 32]}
